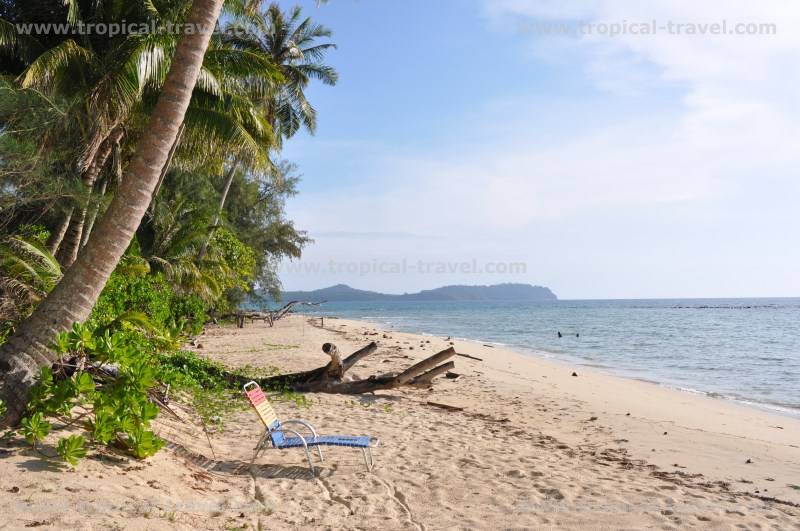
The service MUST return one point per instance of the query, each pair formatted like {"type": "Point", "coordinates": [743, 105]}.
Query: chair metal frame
{"type": "Point", "coordinates": [278, 427]}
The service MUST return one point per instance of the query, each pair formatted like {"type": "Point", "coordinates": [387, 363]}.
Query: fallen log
{"type": "Point", "coordinates": [425, 378]}
{"type": "Point", "coordinates": [331, 378]}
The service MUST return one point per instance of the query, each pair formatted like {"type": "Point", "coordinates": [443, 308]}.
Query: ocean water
{"type": "Point", "coordinates": [746, 350]}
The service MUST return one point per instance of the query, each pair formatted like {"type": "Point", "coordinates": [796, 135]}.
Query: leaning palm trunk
{"type": "Point", "coordinates": [87, 230]}
{"type": "Point", "coordinates": [166, 167]}
{"type": "Point", "coordinates": [74, 297]}
{"type": "Point", "coordinates": [68, 252]}
{"type": "Point", "coordinates": [57, 236]}
{"type": "Point", "coordinates": [228, 181]}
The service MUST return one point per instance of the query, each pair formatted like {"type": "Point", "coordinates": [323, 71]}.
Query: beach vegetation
{"type": "Point", "coordinates": [141, 244]}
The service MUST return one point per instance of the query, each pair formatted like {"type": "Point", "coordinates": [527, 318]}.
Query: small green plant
{"type": "Point", "coordinates": [72, 448]}
{"type": "Point", "coordinates": [35, 428]}
{"type": "Point", "coordinates": [3, 409]}
{"type": "Point", "coordinates": [144, 443]}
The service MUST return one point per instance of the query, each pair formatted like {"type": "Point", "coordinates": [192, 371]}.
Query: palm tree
{"type": "Point", "coordinates": [74, 297]}
{"type": "Point", "coordinates": [292, 44]}
{"type": "Point", "coordinates": [117, 79]}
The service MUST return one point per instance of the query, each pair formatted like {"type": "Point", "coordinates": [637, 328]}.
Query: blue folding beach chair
{"type": "Point", "coordinates": [276, 431]}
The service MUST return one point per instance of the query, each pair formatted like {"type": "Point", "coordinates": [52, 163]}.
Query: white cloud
{"type": "Point", "coordinates": [737, 119]}
{"type": "Point", "coordinates": [734, 121]}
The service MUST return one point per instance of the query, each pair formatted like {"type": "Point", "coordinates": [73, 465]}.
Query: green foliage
{"type": "Point", "coordinates": [61, 100]}
{"type": "Point", "coordinates": [237, 271]}
{"type": "Point", "coordinates": [3, 409]}
{"type": "Point", "coordinates": [214, 394]}
{"type": "Point", "coordinates": [27, 273]}
{"type": "Point", "coordinates": [240, 259]}
{"type": "Point", "coordinates": [151, 296]}
{"type": "Point", "coordinates": [114, 405]}
{"type": "Point", "coordinates": [35, 428]}
{"type": "Point", "coordinates": [72, 448]}
{"type": "Point", "coordinates": [143, 443]}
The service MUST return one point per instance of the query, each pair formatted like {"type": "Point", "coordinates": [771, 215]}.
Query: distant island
{"type": "Point", "coordinates": [496, 292]}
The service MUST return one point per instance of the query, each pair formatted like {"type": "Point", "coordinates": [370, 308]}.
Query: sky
{"type": "Point", "coordinates": [470, 142]}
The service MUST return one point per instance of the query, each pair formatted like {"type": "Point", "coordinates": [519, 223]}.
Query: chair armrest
{"type": "Point", "coordinates": [302, 423]}
{"type": "Point", "coordinates": [281, 430]}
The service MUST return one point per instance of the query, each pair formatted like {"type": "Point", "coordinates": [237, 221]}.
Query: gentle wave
{"type": "Point", "coordinates": [750, 356]}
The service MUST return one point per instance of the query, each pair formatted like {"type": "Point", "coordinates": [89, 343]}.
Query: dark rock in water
{"type": "Point", "coordinates": [574, 374]}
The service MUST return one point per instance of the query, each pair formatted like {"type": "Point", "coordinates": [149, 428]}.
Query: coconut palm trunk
{"type": "Point", "coordinates": [68, 252]}
{"type": "Point", "coordinates": [57, 236]}
{"type": "Point", "coordinates": [74, 297]}
{"type": "Point", "coordinates": [87, 230]}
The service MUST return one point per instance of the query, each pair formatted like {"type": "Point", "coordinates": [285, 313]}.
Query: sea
{"type": "Point", "coordinates": [745, 350]}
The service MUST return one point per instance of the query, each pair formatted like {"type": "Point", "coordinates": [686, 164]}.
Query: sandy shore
{"type": "Point", "coordinates": [533, 448]}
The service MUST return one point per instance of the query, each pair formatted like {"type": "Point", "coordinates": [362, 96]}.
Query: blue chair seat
{"type": "Point", "coordinates": [326, 440]}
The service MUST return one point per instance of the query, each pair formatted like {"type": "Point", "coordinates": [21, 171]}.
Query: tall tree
{"type": "Point", "coordinates": [74, 297]}
{"type": "Point", "coordinates": [292, 43]}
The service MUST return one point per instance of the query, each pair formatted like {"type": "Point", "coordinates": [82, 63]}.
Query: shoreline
{"type": "Point", "coordinates": [657, 404]}
{"type": "Point", "coordinates": [780, 410]}
{"type": "Point", "coordinates": [520, 443]}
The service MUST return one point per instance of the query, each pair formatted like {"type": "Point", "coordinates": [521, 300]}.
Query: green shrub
{"type": "Point", "coordinates": [239, 271]}
{"type": "Point", "coordinates": [113, 405]}
{"type": "Point", "coordinates": [151, 295]}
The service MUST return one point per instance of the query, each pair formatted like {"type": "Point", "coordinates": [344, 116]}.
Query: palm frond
{"type": "Point", "coordinates": [16, 44]}
{"type": "Point", "coordinates": [55, 65]}
{"type": "Point", "coordinates": [73, 12]}
{"type": "Point", "coordinates": [324, 73]}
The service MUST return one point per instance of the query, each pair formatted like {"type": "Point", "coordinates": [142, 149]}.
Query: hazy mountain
{"type": "Point", "coordinates": [497, 292]}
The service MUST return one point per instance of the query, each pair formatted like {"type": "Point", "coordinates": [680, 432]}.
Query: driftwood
{"type": "Point", "coordinates": [332, 377]}
{"type": "Point", "coordinates": [268, 317]}
{"type": "Point", "coordinates": [468, 356]}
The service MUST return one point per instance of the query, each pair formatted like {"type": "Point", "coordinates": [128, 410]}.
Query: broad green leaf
{"type": "Point", "coordinates": [72, 448]}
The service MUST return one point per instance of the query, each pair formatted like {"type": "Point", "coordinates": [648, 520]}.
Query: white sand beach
{"type": "Point", "coordinates": [534, 447]}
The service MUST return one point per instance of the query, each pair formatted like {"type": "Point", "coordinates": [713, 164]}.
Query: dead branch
{"type": "Point", "coordinates": [332, 377]}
